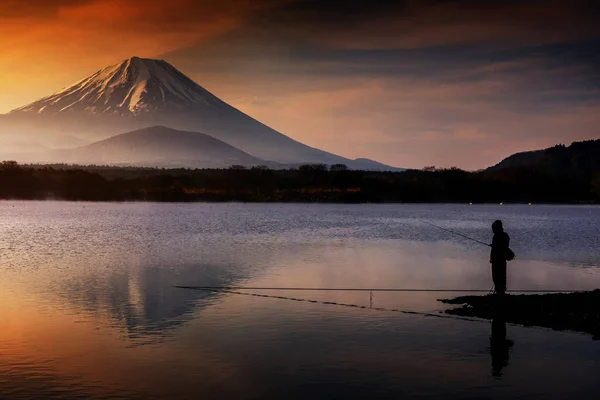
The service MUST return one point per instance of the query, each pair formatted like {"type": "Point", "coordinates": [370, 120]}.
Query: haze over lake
{"type": "Point", "coordinates": [89, 307]}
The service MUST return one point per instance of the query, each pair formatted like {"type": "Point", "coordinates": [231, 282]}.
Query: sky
{"type": "Point", "coordinates": [410, 83]}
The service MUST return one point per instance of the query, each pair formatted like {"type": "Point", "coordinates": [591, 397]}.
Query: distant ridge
{"type": "Point", "coordinates": [580, 158]}
{"type": "Point", "coordinates": [372, 165]}
{"type": "Point", "coordinates": [158, 146]}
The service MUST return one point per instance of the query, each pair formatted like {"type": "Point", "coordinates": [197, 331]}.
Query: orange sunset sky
{"type": "Point", "coordinates": [408, 83]}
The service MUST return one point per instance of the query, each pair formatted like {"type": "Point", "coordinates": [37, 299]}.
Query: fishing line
{"type": "Point", "coordinates": [456, 233]}
{"type": "Point", "coordinates": [333, 303]}
{"type": "Point", "coordinates": [217, 289]}
{"type": "Point", "coordinates": [371, 289]}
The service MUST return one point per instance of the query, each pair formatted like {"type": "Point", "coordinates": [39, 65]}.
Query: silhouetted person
{"type": "Point", "coordinates": [500, 244]}
{"type": "Point", "coordinates": [499, 344]}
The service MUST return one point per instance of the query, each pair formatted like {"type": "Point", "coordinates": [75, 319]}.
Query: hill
{"type": "Point", "coordinates": [578, 159]}
{"type": "Point", "coordinates": [157, 146]}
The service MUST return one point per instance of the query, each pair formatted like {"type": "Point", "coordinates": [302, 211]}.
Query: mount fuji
{"type": "Point", "coordinates": [130, 88]}
{"type": "Point", "coordinates": [140, 93]}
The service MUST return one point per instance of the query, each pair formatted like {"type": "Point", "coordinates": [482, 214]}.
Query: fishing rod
{"type": "Point", "coordinates": [456, 233]}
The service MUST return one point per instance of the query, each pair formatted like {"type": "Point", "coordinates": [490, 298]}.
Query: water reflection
{"type": "Point", "coordinates": [500, 345]}
{"type": "Point", "coordinates": [144, 302]}
{"type": "Point", "coordinates": [82, 288]}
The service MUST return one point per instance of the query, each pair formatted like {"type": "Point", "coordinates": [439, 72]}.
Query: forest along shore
{"type": "Point", "coordinates": [577, 311]}
{"type": "Point", "coordinates": [307, 183]}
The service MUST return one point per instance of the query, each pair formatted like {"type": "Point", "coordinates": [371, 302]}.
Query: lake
{"type": "Point", "coordinates": [89, 306]}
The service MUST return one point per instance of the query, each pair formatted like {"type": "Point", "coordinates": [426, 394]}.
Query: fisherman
{"type": "Point", "coordinates": [498, 256]}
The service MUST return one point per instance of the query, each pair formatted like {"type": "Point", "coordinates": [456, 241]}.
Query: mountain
{"type": "Point", "coordinates": [131, 88]}
{"type": "Point", "coordinates": [372, 165]}
{"type": "Point", "coordinates": [157, 146]}
{"type": "Point", "coordinates": [139, 93]}
{"type": "Point", "coordinates": [578, 159]}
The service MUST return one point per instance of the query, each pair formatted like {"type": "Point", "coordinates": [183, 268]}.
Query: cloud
{"type": "Point", "coordinates": [49, 44]}
{"type": "Point", "coordinates": [175, 16]}
{"type": "Point", "coordinates": [19, 9]}
{"type": "Point", "coordinates": [426, 23]}
{"type": "Point", "coordinates": [467, 105]}
{"type": "Point", "coordinates": [415, 122]}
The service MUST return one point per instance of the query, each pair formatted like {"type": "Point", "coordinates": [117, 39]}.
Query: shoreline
{"type": "Point", "coordinates": [577, 311]}
{"type": "Point", "coordinates": [237, 201]}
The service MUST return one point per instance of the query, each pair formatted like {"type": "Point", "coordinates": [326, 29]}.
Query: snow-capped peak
{"type": "Point", "coordinates": [134, 86]}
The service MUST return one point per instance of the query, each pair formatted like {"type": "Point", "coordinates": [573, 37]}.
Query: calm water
{"type": "Point", "coordinates": [88, 307]}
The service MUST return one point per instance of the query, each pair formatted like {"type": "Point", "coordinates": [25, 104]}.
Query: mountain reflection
{"type": "Point", "coordinates": [144, 301]}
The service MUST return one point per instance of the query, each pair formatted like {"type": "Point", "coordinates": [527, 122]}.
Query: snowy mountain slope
{"type": "Point", "coordinates": [138, 93]}
{"type": "Point", "coordinates": [132, 87]}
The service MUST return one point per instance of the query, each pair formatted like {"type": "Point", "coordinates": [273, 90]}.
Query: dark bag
{"type": "Point", "coordinates": [510, 255]}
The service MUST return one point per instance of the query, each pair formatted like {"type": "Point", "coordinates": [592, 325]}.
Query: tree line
{"type": "Point", "coordinates": [308, 183]}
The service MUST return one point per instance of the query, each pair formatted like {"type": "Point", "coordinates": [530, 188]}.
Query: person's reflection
{"type": "Point", "coordinates": [499, 344]}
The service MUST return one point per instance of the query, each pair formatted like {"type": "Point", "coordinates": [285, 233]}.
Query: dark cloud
{"type": "Point", "coordinates": [418, 23]}
{"type": "Point", "coordinates": [343, 23]}
{"type": "Point", "coordinates": [408, 37]}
